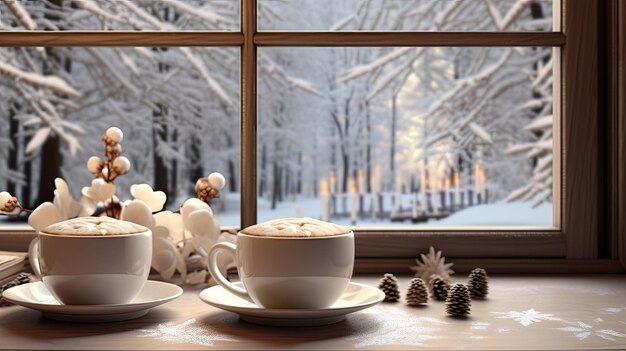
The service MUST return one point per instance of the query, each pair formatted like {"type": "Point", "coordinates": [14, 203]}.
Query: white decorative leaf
{"type": "Point", "coordinates": [99, 190]}
{"type": "Point", "coordinates": [44, 215]}
{"type": "Point", "coordinates": [196, 277]}
{"type": "Point", "coordinates": [64, 202]}
{"type": "Point", "coordinates": [172, 224]}
{"type": "Point", "coordinates": [201, 223]}
{"type": "Point", "coordinates": [164, 262]}
{"type": "Point", "coordinates": [192, 205]}
{"type": "Point", "coordinates": [138, 212]}
{"type": "Point", "coordinates": [154, 199]}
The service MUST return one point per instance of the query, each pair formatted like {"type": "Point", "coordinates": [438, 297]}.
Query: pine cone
{"type": "Point", "coordinates": [389, 285]}
{"type": "Point", "coordinates": [6, 286]}
{"type": "Point", "coordinates": [23, 278]}
{"type": "Point", "coordinates": [458, 301]}
{"type": "Point", "coordinates": [478, 284]}
{"type": "Point", "coordinates": [417, 292]}
{"type": "Point", "coordinates": [438, 287]}
{"type": "Point", "coordinates": [20, 279]}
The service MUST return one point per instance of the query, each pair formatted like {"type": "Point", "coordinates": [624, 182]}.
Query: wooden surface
{"type": "Point", "coordinates": [567, 312]}
{"type": "Point", "coordinates": [461, 243]}
{"type": "Point", "coordinates": [497, 265]}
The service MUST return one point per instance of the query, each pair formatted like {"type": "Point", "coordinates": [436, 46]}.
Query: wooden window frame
{"type": "Point", "coordinates": [592, 184]}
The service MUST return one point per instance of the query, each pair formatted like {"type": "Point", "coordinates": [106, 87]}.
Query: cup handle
{"type": "Point", "coordinates": [230, 249]}
{"type": "Point", "coordinates": [33, 257]}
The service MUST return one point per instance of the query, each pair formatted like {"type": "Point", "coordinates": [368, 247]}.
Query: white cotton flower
{"type": "Point", "coordinates": [105, 171]}
{"type": "Point", "coordinates": [115, 134]}
{"type": "Point", "coordinates": [64, 202]}
{"type": "Point", "coordinates": [138, 212]}
{"type": "Point", "coordinates": [154, 199]}
{"type": "Point", "coordinates": [44, 215]}
{"type": "Point", "coordinates": [94, 164]}
{"type": "Point", "coordinates": [121, 165]}
{"type": "Point", "coordinates": [216, 180]}
{"type": "Point", "coordinates": [4, 198]}
{"type": "Point", "coordinates": [99, 190]}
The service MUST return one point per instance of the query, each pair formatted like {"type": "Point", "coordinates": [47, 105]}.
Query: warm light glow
{"type": "Point", "coordinates": [323, 187]}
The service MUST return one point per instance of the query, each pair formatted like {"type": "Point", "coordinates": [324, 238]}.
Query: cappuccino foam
{"type": "Point", "coordinates": [296, 227]}
{"type": "Point", "coordinates": [94, 226]}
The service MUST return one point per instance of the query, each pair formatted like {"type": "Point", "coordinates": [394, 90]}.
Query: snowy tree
{"type": "Point", "coordinates": [180, 103]}
{"type": "Point", "coordinates": [487, 91]}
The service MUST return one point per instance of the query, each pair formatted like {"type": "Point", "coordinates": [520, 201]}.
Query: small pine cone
{"type": "Point", "coordinates": [417, 292]}
{"type": "Point", "coordinates": [20, 279]}
{"type": "Point", "coordinates": [4, 287]}
{"type": "Point", "coordinates": [438, 287]}
{"type": "Point", "coordinates": [458, 301]}
{"type": "Point", "coordinates": [478, 284]}
{"type": "Point", "coordinates": [9, 285]}
{"type": "Point", "coordinates": [389, 285]}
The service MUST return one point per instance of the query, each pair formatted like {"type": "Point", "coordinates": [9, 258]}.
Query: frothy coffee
{"type": "Point", "coordinates": [94, 226]}
{"type": "Point", "coordinates": [296, 227]}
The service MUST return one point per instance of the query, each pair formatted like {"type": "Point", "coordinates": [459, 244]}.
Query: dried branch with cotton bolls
{"type": "Point", "coordinates": [9, 206]}
{"type": "Point", "coordinates": [115, 164]}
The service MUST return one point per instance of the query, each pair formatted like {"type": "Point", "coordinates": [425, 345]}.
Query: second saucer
{"type": "Point", "coordinates": [356, 297]}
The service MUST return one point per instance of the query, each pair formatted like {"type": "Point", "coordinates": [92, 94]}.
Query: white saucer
{"type": "Point", "coordinates": [355, 298]}
{"type": "Point", "coordinates": [36, 296]}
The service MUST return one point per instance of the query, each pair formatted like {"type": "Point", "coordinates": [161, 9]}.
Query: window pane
{"type": "Point", "coordinates": [400, 136]}
{"type": "Point", "coordinates": [406, 15]}
{"type": "Point", "coordinates": [178, 108]}
{"type": "Point", "coordinates": [150, 15]}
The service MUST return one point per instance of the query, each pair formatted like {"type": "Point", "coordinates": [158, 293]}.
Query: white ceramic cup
{"type": "Point", "coordinates": [92, 270]}
{"type": "Point", "coordinates": [288, 272]}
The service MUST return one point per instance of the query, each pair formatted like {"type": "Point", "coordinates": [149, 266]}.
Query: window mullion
{"type": "Point", "coordinates": [248, 114]}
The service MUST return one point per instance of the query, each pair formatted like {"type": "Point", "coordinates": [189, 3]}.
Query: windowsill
{"type": "Point", "coordinates": [522, 312]}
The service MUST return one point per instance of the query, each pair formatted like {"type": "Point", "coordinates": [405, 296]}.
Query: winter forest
{"type": "Point", "coordinates": [368, 136]}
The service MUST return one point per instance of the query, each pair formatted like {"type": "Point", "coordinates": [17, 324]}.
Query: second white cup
{"type": "Point", "coordinates": [288, 272]}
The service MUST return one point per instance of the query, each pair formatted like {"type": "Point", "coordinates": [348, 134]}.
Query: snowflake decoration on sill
{"type": "Point", "coordinates": [432, 263]}
{"type": "Point", "coordinates": [583, 330]}
{"type": "Point", "coordinates": [187, 332]}
{"type": "Point", "coordinates": [528, 317]}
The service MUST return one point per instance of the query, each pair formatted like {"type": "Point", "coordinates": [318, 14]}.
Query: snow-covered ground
{"type": "Point", "coordinates": [496, 214]}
